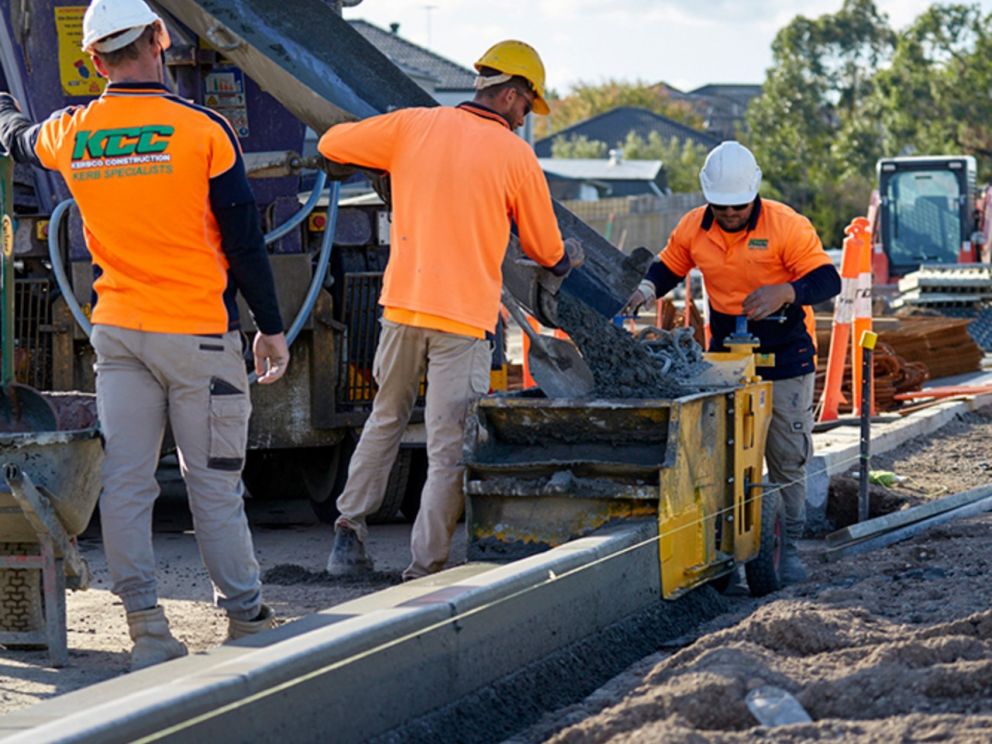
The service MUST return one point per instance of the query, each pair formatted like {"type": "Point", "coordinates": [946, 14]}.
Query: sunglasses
{"type": "Point", "coordinates": [725, 207]}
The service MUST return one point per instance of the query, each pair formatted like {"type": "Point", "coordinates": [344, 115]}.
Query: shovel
{"type": "Point", "coordinates": [22, 408]}
{"type": "Point", "coordinates": [555, 365]}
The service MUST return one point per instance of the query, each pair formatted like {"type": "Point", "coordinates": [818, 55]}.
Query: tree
{"type": "Point", "coordinates": [577, 146]}
{"type": "Point", "coordinates": [586, 100]}
{"type": "Point", "coordinates": [680, 159]}
{"type": "Point", "coordinates": [935, 96]}
{"type": "Point", "coordinates": [822, 71]}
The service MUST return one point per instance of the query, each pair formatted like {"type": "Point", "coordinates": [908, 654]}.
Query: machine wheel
{"type": "Point", "coordinates": [21, 595]}
{"type": "Point", "coordinates": [324, 474]}
{"type": "Point", "coordinates": [325, 478]}
{"type": "Point", "coordinates": [415, 483]}
{"type": "Point", "coordinates": [763, 572]}
{"type": "Point", "coordinates": [273, 474]}
{"type": "Point", "coordinates": [399, 477]}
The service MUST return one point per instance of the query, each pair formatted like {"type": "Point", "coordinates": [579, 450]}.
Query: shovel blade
{"type": "Point", "coordinates": [559, 370]}
{"type": "Point", "coordinates": [23, 409]}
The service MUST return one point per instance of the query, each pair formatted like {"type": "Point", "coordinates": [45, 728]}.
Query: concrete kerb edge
{"type": "Point", "coordinates": [166, 695]}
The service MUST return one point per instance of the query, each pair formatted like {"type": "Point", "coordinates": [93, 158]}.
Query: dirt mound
{"type": "Point", "coordinates": [894, 645]}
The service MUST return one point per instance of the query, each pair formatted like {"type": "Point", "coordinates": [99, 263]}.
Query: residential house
{"type": "Point", "coordinates": [613, 126]}
{"type": "Point", "coordinates": [448, 82]}
{"type": "Point", "coordinates": [592, 179]}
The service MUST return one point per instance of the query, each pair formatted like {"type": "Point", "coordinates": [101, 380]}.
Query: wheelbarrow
{"type": "Point", "coordinates": [49, 486]}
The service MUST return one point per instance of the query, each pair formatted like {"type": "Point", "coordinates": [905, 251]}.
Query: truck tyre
{"type": "Point", "coordinates": [273, 474]}
{"type": "Point", "coordinates": [325, 480]}
{"type": "Point", "coordinates": [763, 571]}
{"type": "Point", "coordinates": [21, 597]}
{"type": "Point", "coordinates": [414, 484]}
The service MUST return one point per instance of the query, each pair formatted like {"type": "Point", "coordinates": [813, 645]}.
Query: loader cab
{"type": "Point", "coordinates": [926, 211]}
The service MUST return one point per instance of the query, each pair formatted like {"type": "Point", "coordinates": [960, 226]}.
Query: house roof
{"type": "Point", "coordinates": [449, 76]}
{"type": "Point", "coordinates": [601, 169]}
{"type": "Point", "coordinates": [612, 127]}
{"type": "Point", "coordinates": [738, 91]}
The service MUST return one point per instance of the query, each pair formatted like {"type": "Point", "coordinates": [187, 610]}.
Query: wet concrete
{"type": "Point", "coordinates": [622, 366]}
{"type": "Point", "coordinates": [516, 702]}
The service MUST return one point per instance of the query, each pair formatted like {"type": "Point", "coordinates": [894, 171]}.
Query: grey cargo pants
{"type": "Point", "coordinates": [790, 447]}
{"type": "Point", "coordinates": [457, 373]}
{"type": "Point", "coordinates": [198, 384]}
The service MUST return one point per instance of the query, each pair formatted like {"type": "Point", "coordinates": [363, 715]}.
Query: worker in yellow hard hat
{"type": "Point", "coordinates": [511, 59]}
{"type": "Point", "coordinates": [458, 176]}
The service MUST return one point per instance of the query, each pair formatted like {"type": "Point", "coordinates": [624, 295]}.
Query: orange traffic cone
{"type": "Point", "coordinates": [840, 334]}
{"type": "Point", "coordinates": [862, 310]}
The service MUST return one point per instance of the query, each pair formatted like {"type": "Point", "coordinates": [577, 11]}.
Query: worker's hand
{"type": "Point", "coordinates": [8, 101]}
{"type": "Point", "coordinates": [575, 252]}
{"type": "Point", "coordinates": [337, 171]}
{"type": "Point", "coordinates": [271, 357]}
{"type": "Point", "coordinates": [764, 301]}
{"type": "Point", "coordinates": [643, 295]}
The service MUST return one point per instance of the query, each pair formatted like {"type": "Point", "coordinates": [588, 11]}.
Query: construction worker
{"type": "Point", "coordinates": [173, 230]}
{"type": "Point", "coordinates": [760, 259]}
{"type": "Point", "coordinates": [458, 175]}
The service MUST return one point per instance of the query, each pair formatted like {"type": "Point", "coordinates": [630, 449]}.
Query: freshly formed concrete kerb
{"type": "Point", "coordinates": [365, 666]}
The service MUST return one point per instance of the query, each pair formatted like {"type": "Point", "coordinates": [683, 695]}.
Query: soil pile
{"type": "Point", "coordinates": [895, 645]}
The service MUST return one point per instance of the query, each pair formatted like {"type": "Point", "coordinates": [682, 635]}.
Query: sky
{"type": "Point", "coordinates": [686, 43]}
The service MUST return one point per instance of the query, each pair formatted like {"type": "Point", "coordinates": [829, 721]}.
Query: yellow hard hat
{"type": "Point", "coordinates": [517, 58]}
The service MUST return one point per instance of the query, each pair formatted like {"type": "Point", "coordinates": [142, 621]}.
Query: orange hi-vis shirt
{"type": "Point", "coordinates": [139, 162]}
{"type": "Point", "coordinates": [457, 176]}
{"type": "Point", "coordinates": [778, 246]}
{"type": "Point", "coordinates": [781, 247]}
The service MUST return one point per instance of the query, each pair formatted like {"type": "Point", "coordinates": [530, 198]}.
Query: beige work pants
{"type": "Point", "coordinates": [790, 447]}
{"type": "Point", "coordinates": [457, 373]}
{"type": "Point", "coordinates": [198, 384]}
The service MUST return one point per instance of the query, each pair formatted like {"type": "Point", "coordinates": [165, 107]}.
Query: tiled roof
{"type": "Point", "coordinates": [612, 127]}
{"type": "Point", "coordinates": [449, 76]}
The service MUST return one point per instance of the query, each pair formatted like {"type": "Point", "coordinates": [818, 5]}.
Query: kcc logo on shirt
{"type": "Point", "coordinates": [123, 141]}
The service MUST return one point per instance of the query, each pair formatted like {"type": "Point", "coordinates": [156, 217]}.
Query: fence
{"type": "Point", "coordinates": [632, 221]}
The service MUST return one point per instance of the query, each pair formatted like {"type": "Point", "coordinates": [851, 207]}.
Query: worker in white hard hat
{"type": "Point", "coordinates": [458, 177]}
{"type": "Point", "coordinates": [174, 232]}
{"type": "Point", "coordinates": [762, 260]}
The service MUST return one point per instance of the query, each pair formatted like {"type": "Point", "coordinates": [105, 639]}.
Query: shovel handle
{"type": "Point", "coordinates": [518, 315]}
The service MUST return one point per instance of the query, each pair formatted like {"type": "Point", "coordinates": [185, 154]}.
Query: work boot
{"type": "Point", "coordinates": [265, 620]}
{"type": "Point", "coordinates": [792, 570]}
{"type": "Point", "coordinates": [153, 643]}
{"type": "Point", "coordinates": [348, 556]}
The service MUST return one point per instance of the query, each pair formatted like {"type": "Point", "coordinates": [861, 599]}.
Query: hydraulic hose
{"type": "Point", "coordinates": [301, 214]}
{"type": "Point", "coordinates": [55, 256]}
{"type": "Point", "coordinates": [323, 259]}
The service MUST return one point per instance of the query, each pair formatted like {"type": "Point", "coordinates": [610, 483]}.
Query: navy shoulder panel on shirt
{"type": "Point", "coordinates": [230, 188]}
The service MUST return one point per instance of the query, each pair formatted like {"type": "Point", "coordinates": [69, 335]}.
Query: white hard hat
{"type": "Point", "coordinates": [730, 175]}
{"type": "Point", "coordinates": [123, 20]}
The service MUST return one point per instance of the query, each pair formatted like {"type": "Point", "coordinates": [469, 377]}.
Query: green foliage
{"type": "Point", "coordinates": [577, 146]}
{"type": "Point", "coordinates": [823, 68]}
{"type": "Point", "coordinates": [586, 100]}
{"type": "Point", "coordinates": [845, 90]}
{"type": "Point", "coordinates": [681, 160]}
